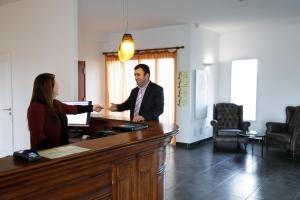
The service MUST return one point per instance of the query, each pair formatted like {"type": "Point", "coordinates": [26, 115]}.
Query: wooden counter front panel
{"type": "Point", "coordinates": [127, 166]}
{"type": "Point", "coordinates": [147, 176]}
{"type": "Point", "coordinates": [140, 177]}
{"type": "Point", "coordinates": [124, 179]}
{"type": "Point", "coordinates": [81, 178]}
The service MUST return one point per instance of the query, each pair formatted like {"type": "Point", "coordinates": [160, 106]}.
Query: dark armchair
{"type": "Point", "coordinates": [228, 122]}
{"type": "Point", "coordinates": [285, 134]}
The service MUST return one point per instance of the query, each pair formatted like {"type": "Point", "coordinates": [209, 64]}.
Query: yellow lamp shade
{"type": "Point", "coordinates": [126, 48]}
{"type": "Point", "coordinates": [121, 57]}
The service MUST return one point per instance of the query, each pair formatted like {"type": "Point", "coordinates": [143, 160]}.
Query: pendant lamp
{"type": "Point", "coordinates": [126, 47]}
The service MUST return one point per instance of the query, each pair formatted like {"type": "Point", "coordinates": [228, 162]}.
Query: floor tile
{"type": "Point", "coordinates": [225, 173]}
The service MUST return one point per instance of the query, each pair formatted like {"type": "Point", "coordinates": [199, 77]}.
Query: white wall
{"type": "Point", "coordinates": [197, 44]}
{"type": "Point", "coordinates": [88, 51]}
{"type": "Point", "coordinates": [41, 36]}
{"type": "Point", "coordinates": [204, 47]}
{"type": "Point", "coordinates": [277, 51]}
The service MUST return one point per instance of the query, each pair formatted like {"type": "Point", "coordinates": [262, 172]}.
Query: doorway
{"type": "Point", "coordinates": [81, 80]}
{"type": "Point", "coordinates": [6, 130]}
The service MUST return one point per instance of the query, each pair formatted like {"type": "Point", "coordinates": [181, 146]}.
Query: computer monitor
{"type": "Point", "coordinates": [82, 119]}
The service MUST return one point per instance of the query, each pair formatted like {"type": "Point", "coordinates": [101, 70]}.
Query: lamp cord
{"type": "Point", "coordinates": [125, 15]}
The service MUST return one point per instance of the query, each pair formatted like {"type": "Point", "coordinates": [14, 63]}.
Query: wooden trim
{"type": "Point", "coordinates": [175, 85]}
{"type": "Point", "coordinates": [156, 71]}
{"type": "Point", "coordinates": [81, 80]}
{"type": "Point", "coordinates": [106, 110]}
{"type": "Point", "coordinates": [173, 141]}
{"type": "Point", "coordinates": [146, 50]}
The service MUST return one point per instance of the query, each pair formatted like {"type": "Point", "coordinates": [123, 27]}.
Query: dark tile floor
{"type": "Point", "coordinates": [225, 173]}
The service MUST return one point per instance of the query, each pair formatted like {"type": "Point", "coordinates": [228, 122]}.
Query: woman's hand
{"type": "Point", "coordinates": [97, 108]}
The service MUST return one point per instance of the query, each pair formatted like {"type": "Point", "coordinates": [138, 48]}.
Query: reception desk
{"type": "Point", "coordinates": [128, 165]}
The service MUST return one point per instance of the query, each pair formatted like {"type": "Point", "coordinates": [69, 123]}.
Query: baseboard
{"type": "Point", "coordinates": [194, 144]}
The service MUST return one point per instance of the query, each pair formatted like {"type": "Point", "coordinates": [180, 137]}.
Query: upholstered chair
{"type": "Point", "coordinates": [228, 122]}
{"type": "Point", "coordinates": [286, 134]}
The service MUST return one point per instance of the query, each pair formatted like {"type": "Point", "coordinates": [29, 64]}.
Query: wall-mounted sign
{"type": "Point", "coordinates": [182, 88]}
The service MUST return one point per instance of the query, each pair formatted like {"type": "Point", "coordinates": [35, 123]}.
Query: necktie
{"type": "Point", "coordinates": [138, 103]}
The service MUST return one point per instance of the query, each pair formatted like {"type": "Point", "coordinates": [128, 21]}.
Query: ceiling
{"type": "Point", "coordinates": [217, 15]}
{"type": "Point", "coordinates": [3, 2]}
{"type": "Point", "coordinates": [106, 16]}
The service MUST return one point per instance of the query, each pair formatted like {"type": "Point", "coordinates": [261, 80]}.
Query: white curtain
{"type": "Point", "coordinates": [120, 81]}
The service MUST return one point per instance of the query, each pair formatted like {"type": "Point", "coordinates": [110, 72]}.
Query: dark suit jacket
{"type": "Point", "coordinates": [152, 104]}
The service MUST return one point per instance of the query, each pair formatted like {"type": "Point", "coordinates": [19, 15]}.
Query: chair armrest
{"type": "Point", "coordinates": [245, 125]}
{"type": "Point", "coordinates": [214, 123]}
{"type": "Point", "coordinates": [276, 127]}
{"type": "Point", "coordinates": [295, 138]}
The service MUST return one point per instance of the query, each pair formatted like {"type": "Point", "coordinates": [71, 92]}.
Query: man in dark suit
{"type": "Point", "coordinates": [146, 101]}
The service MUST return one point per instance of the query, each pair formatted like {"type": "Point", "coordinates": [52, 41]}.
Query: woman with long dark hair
{"type": "Point", "coordinates": [46, 115]}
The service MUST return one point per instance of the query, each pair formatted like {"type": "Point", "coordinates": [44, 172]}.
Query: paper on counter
{"type": "Point", "coordinates": [59, 152]}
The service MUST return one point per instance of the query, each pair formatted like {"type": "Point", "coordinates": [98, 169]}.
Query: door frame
{"type": "Point", "coordinates": [8, 55]}
{"type": "Point", "coordinates": [81, 81]}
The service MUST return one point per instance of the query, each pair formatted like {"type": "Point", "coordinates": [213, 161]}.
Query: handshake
{"type": "Point", "coordinates": [97, 108]}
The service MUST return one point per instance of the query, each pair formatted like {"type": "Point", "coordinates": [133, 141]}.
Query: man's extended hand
{"type": "Point", "coordinates": [113, 107]}
{"type": "Point", "coordinates": [138, 119]}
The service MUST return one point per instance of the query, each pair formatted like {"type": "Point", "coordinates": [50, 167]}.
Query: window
{"type": "Point", "coordinates": [243, 86]}
{"type": "Point", "coordinates": [121, 80]}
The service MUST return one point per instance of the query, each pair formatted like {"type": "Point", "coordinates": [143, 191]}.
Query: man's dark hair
{"type": "Point", "coordinates": [144, 67]}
